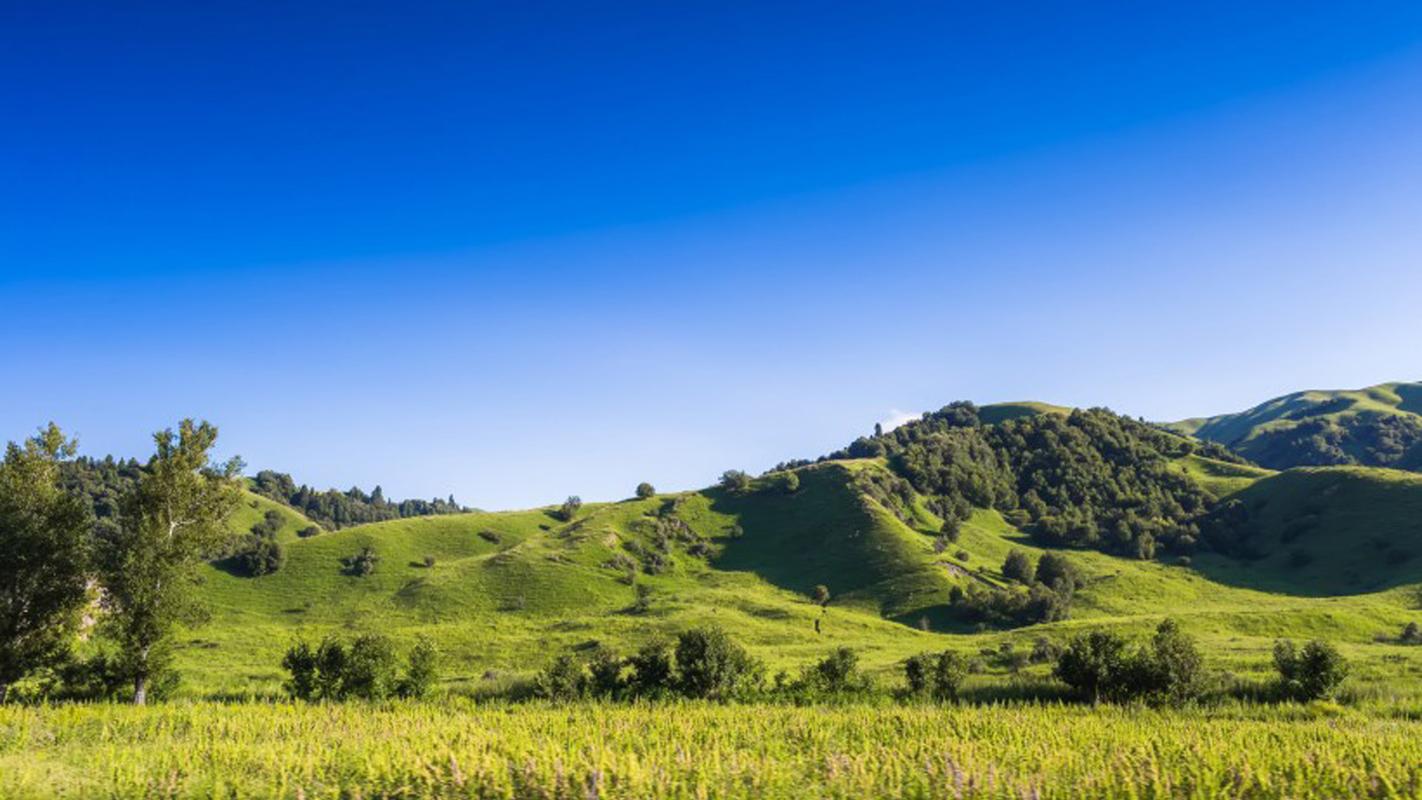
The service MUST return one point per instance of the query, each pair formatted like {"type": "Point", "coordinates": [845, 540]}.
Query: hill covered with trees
{"type": "Point", "coordinates": [1380, 426]}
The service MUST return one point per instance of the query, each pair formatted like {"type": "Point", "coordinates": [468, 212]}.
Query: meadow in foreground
{"type": "Point", "coordinates": [590, 750]}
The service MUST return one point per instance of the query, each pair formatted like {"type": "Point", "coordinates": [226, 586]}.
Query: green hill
{"type": "Point", "coordinates": [505, 591]}
{"type": "Point", "coordinates": [1380, 426]}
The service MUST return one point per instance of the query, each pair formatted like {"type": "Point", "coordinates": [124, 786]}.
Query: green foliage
{"type": "Point", "coordinates": [570, 508]}
{"type": "Point", "coordinates": [371, 669]}
{"type": "Point", "coordinates": [1095, 665]}
{"type": "Point", "coordinates": [651, 670]}
{"type": "Point", "coordinates": [735, 481]}
{"type": "Point", "coordinates": [712, 666]}
{"type": "Point", "coordinates": [645, 491]}
{"type": "Point", "coordinates": [261, 553]}
{"type": "Point", "coordinates": [1086, 479]}
{"type": "Point", "coordinates": [173, 520]}
{"type": "Point", "coordinates": [918, 674]}
{"type": "Point", "coordinates": [43, 557]}
{"type": "Point", "coordinates": [332, 657]}
{"type": "Point", "coordinates": [949, 672]}
{"type": "Point", "coordinates": [366, 669]}
{"type": "Point", "coordinates": [421, 671]}
{"type": "Point", "coordinates": [1055, 569]}
{"type": "Point", "coordinates": [363, 563]}
{"type": "Point", "coordinates": [301, 663]}
{"type": "Point", "coordinates": [1374, 427]}
{"type": "Point", "coordinates": [838, 673]}
{"type": "Point", "coordinates": [790, 482]}
{"type": "Point", "coordinates": [820, 594]}
{"type": "Point", "coordinates": [1104, 666]}
{"type": "Point", "coordinates": [1017, 567]}
{"type": "Point", "coordinates": [605, 672]}
{"type": "Point", "coordinates": [564, 679]}
{"type": "Point", "coordinates": [1312, 672]}
{"type": "Point", "coordinates": [336, 509]}
{"type": "Point", "coordinates": [1411, 634]}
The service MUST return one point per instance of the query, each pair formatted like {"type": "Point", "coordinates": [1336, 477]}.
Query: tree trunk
{"type": "Point", "coordinates": [140, 690]}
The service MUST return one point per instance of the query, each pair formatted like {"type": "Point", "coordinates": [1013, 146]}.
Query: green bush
{"type": "Point", "coordinates": [370, 671]}
{"type": "Point", "coordinates": [651, 673]}
{"type": "Point", "coordinates": [564, 679]}
{"type": "Point", "coordinates": [1312, 672]}
{"type": "Point", "coordinates": [710, 665]}
{"type": "Point", "coordinates": [422, 670]}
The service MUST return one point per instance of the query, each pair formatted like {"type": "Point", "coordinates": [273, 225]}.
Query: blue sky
{"type": "Point", "coordinates": [519, 251]}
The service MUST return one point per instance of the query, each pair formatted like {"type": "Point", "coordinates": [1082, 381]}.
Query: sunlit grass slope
{"type": "Point", "coordinates": [507, 591]}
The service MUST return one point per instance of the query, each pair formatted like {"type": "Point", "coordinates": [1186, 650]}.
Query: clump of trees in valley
{"type": "Point", "coordinates": [336, 509]}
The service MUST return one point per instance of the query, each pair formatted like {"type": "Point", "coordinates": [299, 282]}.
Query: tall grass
{"type": "Point", "coordinates": [697, 750]}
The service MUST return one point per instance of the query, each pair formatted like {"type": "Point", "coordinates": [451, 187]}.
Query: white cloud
{"type": "Point", "coordinates": [897, 418]}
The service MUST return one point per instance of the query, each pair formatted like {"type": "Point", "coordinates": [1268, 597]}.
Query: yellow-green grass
{"type": "Point", "coordinates": [692, 750]}
{"type": "Point", "coordinates": [501, 609]}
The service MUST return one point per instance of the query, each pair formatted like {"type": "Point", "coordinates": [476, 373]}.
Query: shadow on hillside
{"type": "Point", "coordinates": [823, 534]}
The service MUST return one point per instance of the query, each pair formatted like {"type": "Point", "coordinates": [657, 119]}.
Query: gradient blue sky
{"type": "Point", "coordinates": [517, 251]}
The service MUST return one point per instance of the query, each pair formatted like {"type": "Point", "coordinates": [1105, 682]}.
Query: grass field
{"type": "Point", "coordinates": [502, 593]}
{"type": "Point", "coordinates": [509, 590]}
{"type": "Point", "coordinates": [699, 751]}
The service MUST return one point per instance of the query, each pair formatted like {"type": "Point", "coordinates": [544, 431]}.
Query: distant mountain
{"type": "Point", "coordinates": [1380, 426]}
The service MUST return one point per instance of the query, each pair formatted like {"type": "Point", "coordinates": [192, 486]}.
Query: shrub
{"type": "Point", "coordinates": [261, 556]}
{"type": "Point", "coordinates": [790, 483]}
{"type": "Point", "coordinates": [951, 529]}
{"type": "Point", "coordinates": [362, 563]}
{"type": "Point", "coordinates": [1311, 672]}
{"type": "Point", "coordinates": [429, 562]}
{"type": "Point", "coordinates": [820, 595]}
{"type": "Point", "coordinates": [492, 537]}
{"type": "Point", "coordinates": [645, 490]}
{"type": "Point", "coordinates": [918, 674]}
{"type": "Point", "coordinates": [1093, 664]}
{"type": "Point", "coordinates": [370, 670]}
{"type": "Point", "coordinates": [331, 658]}
{"type": "Point", "coordinates": [605, 668]}
{"type": "Point", "coordinates": [735, 481]}
{"type": "Point", "coordinates": [1017, 567]}
{"type": "Point", "coordinates": [651, 672]}
{"type": "Point", "coordinates": [949, 671]}
{"type": "Point", "coordinates": [564, 679]}
{"type": "Point", "coordinates": [1175, 665]}
{"type": "Point", "coordinates": [1053, 567]}
{"type": "Point", "coordinates": [838, 673]}
{"type": "Point", "coordinates": [421, 671]}
{"type": "Point", "coordinates": [308, 531]}
{"type": "Point", "coordinates": [570, 507]}
{"type": "Point", "coordinates": [1411, 634]}
{"type": "Point", "coordinates": [300, 661]}
{"type": "Point", "coordinates": [1104, 666]}
{"type": "Point", "coordinates": [710, 665]}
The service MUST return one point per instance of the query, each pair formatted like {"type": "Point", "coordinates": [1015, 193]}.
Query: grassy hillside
{"type": "Point", "coordinates": [1377, 426]}
{"type": "Point", "coordinates": [509, 590]}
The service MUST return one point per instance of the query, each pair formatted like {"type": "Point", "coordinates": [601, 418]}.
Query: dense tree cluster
{"type": "Point", "coordinates": [1091, 478]}
{"type": "Point", "coordinates": [1104, 666]}
{"type": "Point", "coordinates": [336, 509]}
{"type": "Point", "coordinates": [259, 552]}
{"type": "Point", "coordinates": [365, 669]}
{"type": "Point", "coordinates": [1315, 440]}
{"type": "Point", "coordinates": [704, 663]}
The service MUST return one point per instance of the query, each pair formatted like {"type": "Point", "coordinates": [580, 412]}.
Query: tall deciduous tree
{"type": "Point", "coordinates": [170, 523]}
{"type": "Point", "coordinates": [43, 556]}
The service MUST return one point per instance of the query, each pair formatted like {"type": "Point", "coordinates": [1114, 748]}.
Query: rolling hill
{"type": "Point", "coordinates": [1380, 426]}
{"type": "Point", "coordinates": [503, 592]}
